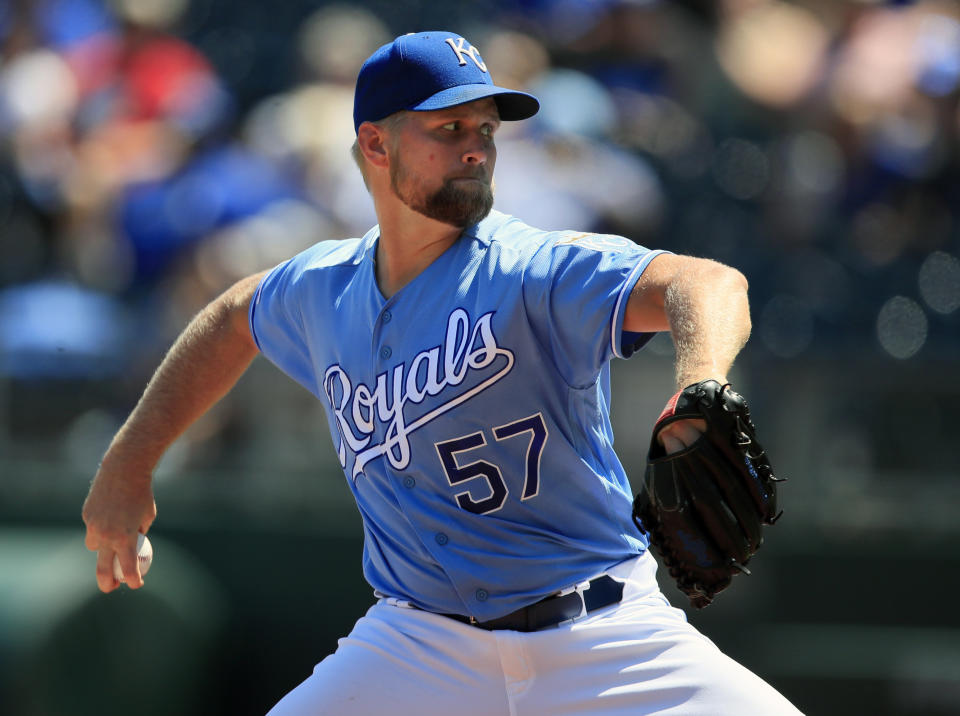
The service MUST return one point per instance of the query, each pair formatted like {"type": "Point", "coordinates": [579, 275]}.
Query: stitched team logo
{"type": "Point", "coordinates": [461, 49]}
{"type": "Point", "coordinates": [597, 242]}
{"type": "Point", "coordinates": [361, 411]}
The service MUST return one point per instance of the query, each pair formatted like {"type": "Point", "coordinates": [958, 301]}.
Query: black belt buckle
{"type": "Point", "coordinates": [555, 609]}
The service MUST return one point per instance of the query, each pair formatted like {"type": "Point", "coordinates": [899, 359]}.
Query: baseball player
{"type": "Point", "coordinates": [462, 358]}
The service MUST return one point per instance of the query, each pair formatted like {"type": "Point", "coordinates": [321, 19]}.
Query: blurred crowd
{"type": "Point", "coordinates": [153, 151]}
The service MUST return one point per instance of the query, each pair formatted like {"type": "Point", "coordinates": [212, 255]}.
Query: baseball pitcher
{"type": "Point", "coordinates": [463, 361]}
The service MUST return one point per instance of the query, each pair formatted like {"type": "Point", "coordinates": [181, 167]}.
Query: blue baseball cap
{"type": "Point", "coordinates": [430, 70]}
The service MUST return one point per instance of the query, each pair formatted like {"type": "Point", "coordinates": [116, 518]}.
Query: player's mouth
{"type": "Point", "coordinates": [481, 179]}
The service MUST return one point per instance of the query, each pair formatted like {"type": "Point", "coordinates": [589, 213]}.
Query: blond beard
{"type": "Point", "coordinates": [451, 204]}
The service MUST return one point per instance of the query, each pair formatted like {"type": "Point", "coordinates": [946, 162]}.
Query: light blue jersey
{"type": "Point", "coordinates": [470, 411]}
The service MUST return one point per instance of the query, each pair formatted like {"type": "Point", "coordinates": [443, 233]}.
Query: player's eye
{"type": "Point", "coordinates": [451, 126]}
{"type": "Point", "coordinates": [487, 130]}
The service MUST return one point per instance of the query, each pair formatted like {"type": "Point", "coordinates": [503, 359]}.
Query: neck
{"type": "Point", "coordinates": [409, 242]}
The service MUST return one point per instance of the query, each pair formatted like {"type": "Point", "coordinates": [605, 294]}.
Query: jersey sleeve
{"type": "Point", "coordinates": [578, 290]}
{"type": "Point", "coordinates": [276, 322]}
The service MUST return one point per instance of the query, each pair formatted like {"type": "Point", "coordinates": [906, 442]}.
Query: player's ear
{"type": "Point", "coordinates": [372, 141]}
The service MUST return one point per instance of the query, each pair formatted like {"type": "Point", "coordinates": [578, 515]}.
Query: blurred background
{"type": "Point", "coordinates": [154, 151]}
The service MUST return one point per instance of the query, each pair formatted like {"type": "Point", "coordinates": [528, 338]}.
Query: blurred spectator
{"type": "Point", "coordinates": [53, 329]}
{"type": "Point", "coordinates": [310, 126]}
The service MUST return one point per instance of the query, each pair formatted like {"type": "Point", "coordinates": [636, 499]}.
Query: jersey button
{"type": "Point", "coordinates": [409, 482]}
{"type": "Point", "coordinates": [385, 352]}
{"type": "Point", "coordinates": [441, 538]}
{"type": "Point", "coordinates": [482, 595]}
{"type": "Point", "coordinates": [387, 316]}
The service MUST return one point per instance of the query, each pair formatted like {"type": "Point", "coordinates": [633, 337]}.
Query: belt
{"type": "Point", "coordinates": [550, 611]}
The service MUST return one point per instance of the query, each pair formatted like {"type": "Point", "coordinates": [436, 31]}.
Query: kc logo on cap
{"type": "Point", "coordinates": [470, 51]}
{"type": "Point", "coordinates": [426, 71]}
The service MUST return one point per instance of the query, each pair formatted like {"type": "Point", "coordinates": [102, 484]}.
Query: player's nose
{"type": "Point", "coordinates": [480, 151]}
{"type": "Point", "coordinates": [475, 156]}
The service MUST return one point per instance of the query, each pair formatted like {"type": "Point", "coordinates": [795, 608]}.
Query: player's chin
{"type": "Point", "coordinates": [461, 203]}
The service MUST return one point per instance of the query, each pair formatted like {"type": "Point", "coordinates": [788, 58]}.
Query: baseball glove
{"type": "Point", "coordinates": [704, 507]}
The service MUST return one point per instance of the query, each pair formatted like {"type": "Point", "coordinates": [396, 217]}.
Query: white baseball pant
{"type": "Point", "coordinates": [640, 656]}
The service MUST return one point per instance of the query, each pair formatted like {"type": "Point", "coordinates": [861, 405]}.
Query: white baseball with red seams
{"type": "Point", "coordinates": [144, 557]}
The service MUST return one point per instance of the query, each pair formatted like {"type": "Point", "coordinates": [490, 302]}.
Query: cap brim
{"type": "Point", "coordinates": [511, 105]}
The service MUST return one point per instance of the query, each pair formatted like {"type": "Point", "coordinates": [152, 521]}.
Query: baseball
{"type": "Point", "coordinates": [144, 556]}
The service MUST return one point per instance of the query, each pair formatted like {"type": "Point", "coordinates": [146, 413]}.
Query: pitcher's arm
{"type": "Point", "coordinates": [705, 307]}
{"type": "Point", "coordinates": [200, 368]}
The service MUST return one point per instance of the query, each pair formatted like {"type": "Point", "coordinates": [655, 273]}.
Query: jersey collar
{"type": "Point", "coordinates": [482, 231]}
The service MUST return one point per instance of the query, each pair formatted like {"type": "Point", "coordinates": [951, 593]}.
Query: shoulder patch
{"type": "Point", "coordinates": [597, 242]}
